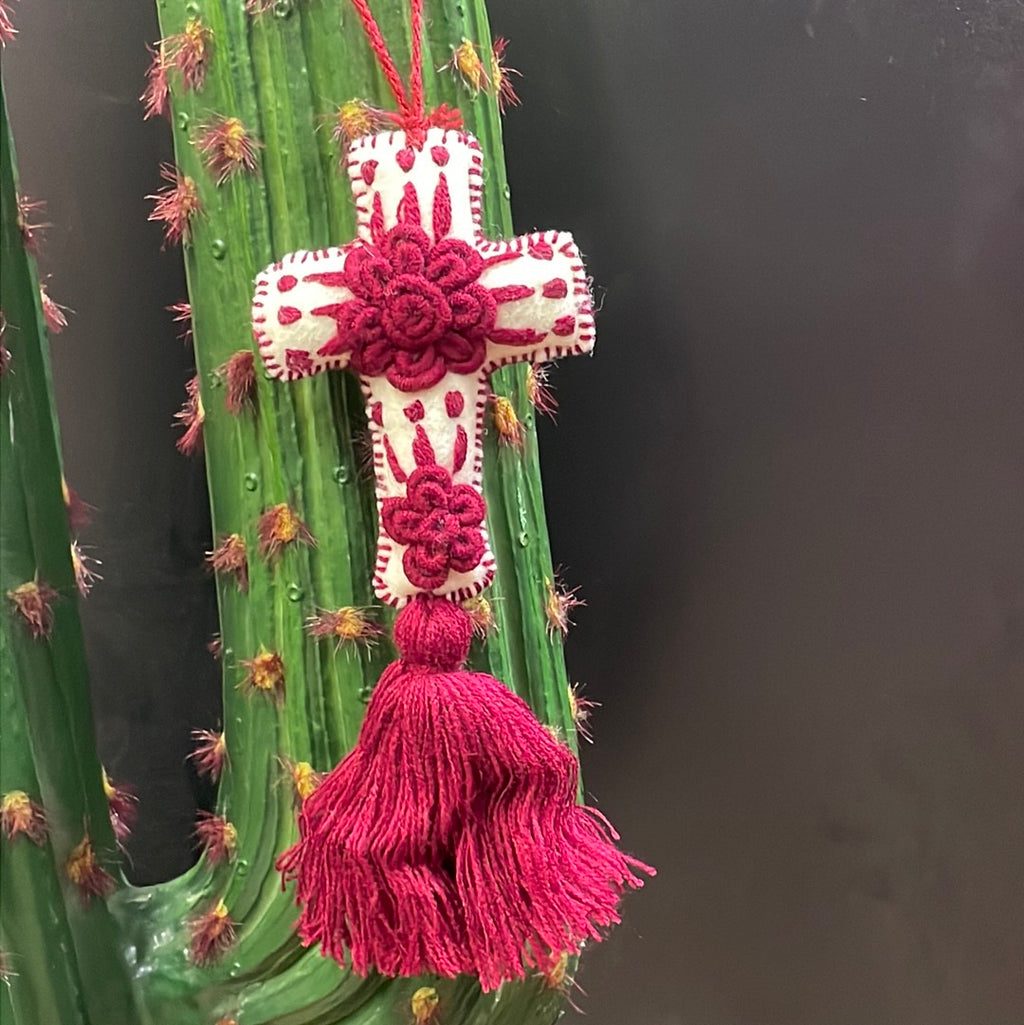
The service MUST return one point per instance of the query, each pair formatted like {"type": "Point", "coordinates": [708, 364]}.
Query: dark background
{"type": "Point", "coordinates": [791, 482]}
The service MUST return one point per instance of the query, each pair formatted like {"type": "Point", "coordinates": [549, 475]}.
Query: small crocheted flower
{"type": "Point", "coordinates": [441, 524]}
{"type": "Point", "coordinates": [418, 310]}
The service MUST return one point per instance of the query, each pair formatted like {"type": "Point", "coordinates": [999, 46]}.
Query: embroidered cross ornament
{"type": "Point", "coordinates": [449, 840]}
{"type": "Point", "coordinates": [424, 308]}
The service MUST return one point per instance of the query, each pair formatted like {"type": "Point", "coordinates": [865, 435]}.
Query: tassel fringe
{"type": "Point", "coordinates": [449, 840]}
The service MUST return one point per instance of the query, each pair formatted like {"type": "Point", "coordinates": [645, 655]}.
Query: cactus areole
{"type": "Point", "coordinates": [449, 840]}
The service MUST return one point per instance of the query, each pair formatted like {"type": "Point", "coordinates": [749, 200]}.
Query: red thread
{"type": "Point", "coordinates": [396, 467]}
{"type": "Point", "coordinates": [454, 403]}
{"type": "Point", "coordinates": [412, 117]}
{"type": "Point", "coordinates": [460, 449]}
{"type": "Point", "coordinates": [380, 49]}
{"type": "Point", "coordinates": [330, 278]}
{"type": "Point", "coordinates": [405, 158]}
{"type": "Point", "coordinates": [376, 414]}
{"type": "Point", "coordinates": [556, 288]}
{"type": "Point", "coordinates": [422, 450]}
{"type": "Point", "coordinates": [409, 206]}
{"type": "Point", "coordinates": [442, 208]}
{"type": "Point", "coordinates": [286, 282]}
{"type": "Point", "coordinates": [298, 362]}
{"type": "Point", "coordinates": [368, 171]}
{"type": "Point", "coordinates": [439, 522]}
{"type": "Point", "coordinates": [540, 250]}
{"type": "Point", "coordinates": [414, 412]}
{"type": "Point", "coordinates": [439, 155]}
{"type": "Point", "coordinates": [511, 293]}
{"type": "Point", "coordinates": [377, 220]}
{"type": "Point", "coordinates": [288, 315]}
{"type": "Point", "coordinates": [417, 309]}
{"type": "Point", "coordinates": [516, 336]}
{"type": "Point", "coordinates": [564, 326]}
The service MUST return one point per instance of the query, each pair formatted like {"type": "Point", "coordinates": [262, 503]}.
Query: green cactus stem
{"type": "Point", "coordinates": [62, 951]}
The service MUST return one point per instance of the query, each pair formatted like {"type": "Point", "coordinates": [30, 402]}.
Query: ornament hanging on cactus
{"type": "Point", "coordinates": [450, 839]}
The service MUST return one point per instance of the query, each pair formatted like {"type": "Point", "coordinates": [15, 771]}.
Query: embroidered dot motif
{"type": "Point", "coordinates": [414, 412]}
{"type": "Point", "coordinates": [440, 155]}
{"type": "Point", "coordinates": [286, 282]}
{"type": "Point", "coordinates": [368, 171]}
{"type": "Point", "coordinates": [405, 158]}
{"type": "Point", "coordinates": [288, 315]}
{"type": "Point", "coordinates": [556, 288]}
{"type": "Point", "coordinates": [454, 403]}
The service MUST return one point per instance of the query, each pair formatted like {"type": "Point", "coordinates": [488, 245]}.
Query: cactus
{"type": "Point", "coordinates": [255, 90]}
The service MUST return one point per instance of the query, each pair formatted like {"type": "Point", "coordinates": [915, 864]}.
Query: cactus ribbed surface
{"type": "Point", "coordinates": [282, 73]}
{"type": "Point", "coordinates": [62, 952]}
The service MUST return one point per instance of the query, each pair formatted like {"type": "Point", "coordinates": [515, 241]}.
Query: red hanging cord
{"type": "Point", "coordinates": [412, 117]}
{"type": "Point", "coordinates": [410, 107]}
{"type": "Point", "coordinates": [416, 71]}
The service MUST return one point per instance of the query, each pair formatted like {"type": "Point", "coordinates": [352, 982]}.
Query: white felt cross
{"type": "Point", "coordinates": [424, 308]}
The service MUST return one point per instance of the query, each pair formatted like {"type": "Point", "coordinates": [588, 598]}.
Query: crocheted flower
{"type": "Point", "coordinates": [418, 310]}
{"type": "Point", "coordinates": [441, 524]}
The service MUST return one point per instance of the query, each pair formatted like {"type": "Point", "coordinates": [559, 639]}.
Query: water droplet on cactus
{"type": "Point", "coordinates": [295, 592]}
{"type": "Point", "coordinates": [342, 475]}
{"type": "Point", "coordinates": [182, 120]}
{"type": "Point", "coordinates": [251, 481]}
{"type": "Point", "coordinates": [523, 538]}
{"type": "Point", "coordinates": [283, 8]}
{"type": "Point", "coordinates": [218, 248]}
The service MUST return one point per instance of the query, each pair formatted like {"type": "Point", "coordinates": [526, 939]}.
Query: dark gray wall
{"type": "Point", "coordinates": [806, 624]}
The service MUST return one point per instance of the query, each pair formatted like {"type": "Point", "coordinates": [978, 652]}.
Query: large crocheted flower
{"type": "Point", "coordinates": [440, 522]}
{"type": "Point", "coordinates": [417, 312]}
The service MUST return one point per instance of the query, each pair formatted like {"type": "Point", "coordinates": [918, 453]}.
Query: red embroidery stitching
{"type": "Point", "coordinates": [396, 467]}
{"type": "Point", "coordinates": [454, 403]}
{"type": "Point", "coordinates": [298, 361]}
{"type": "Point", "coordinates": [511, 293]}
{"type": "Point", "coordinates": [422, 450]}
{"type": "Point", "coordinates": [395, 303]}
{"type": "Point", "coordinates": [442, 208]}
{"type": "Point", "coordinates": [414, 412]}
{"type": "Point", "coordinates": [517, 336]}
{"type": "Point", "coordinates": [286, 282]}
{"type": "Point", "coordinates": [441, 524]}
{"type": "Point", "coordinates": [460, 449]}
{"type": "Point", "coordinates": [417, 310]}
{"type": "Point", "coordinates": [405, 158]}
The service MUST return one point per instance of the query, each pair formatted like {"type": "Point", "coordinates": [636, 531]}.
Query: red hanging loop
{"type": "Point", "coordinates": [412, 117]}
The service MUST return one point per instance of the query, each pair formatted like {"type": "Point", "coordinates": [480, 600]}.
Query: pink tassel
{"type": "Point", "coordinates": [449, 840]}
